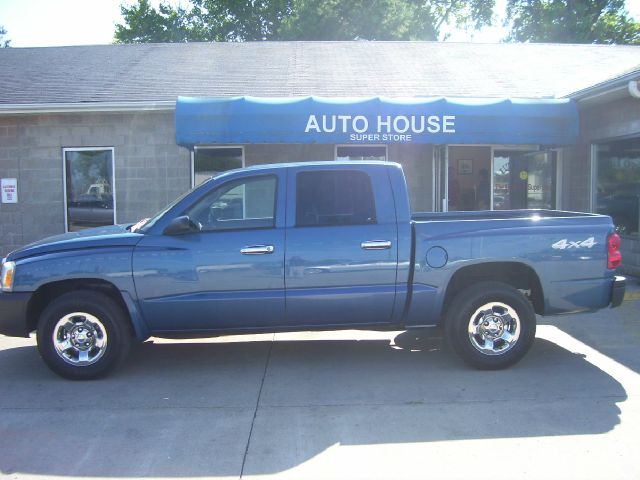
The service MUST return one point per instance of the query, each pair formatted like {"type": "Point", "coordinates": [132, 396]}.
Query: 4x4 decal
{"type": "Point", "coordinates": [565, 244]}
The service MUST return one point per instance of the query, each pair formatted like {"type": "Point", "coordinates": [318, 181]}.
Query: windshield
{"type": "Point", "coordinates": [145, 224]}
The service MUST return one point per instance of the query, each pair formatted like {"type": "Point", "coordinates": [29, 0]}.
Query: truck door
{"type": "Point", "coordinates": [229, 274]}
{"type": "Point", "coordinates": [341, 251]}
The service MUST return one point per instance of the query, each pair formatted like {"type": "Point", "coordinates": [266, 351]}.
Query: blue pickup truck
{"type": "Point", "coordinates": [308, 246]}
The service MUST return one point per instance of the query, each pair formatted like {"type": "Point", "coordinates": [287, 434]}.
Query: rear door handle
{"type": "Point", "coordinates": [257, 250]}
{"type": "Point", "coordinates": [376, 245]}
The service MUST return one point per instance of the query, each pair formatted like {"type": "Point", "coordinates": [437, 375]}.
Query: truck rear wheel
{"type": "Point", "coordinates": [83, 335]}
{"type": "Point", "coordinates": [490, 325]}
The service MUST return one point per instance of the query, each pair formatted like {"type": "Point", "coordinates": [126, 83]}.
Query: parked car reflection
{"type": "Point", "coordinates": [623, 205]}
{"type": "Point", "coordinates": [90, 211]}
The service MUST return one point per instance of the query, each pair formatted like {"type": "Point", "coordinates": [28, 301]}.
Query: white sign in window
{"type": "Point", "coordinates": [361, 152]}
{"type": "Point", "coordinates": [9, 190]}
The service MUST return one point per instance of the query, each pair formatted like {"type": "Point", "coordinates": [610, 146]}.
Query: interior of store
{"type": "Point", "coordinates": [485, 177]}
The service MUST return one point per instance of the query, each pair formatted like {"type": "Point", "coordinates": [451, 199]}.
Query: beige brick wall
{"type": "Point", "coordinates": [150, 169]}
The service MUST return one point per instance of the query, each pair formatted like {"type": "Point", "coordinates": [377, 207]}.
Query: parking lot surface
{"type": "Point", "coordinates": [335, 405]}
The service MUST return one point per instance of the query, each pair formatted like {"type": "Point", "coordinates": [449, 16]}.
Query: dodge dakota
{"type": "Point", "coordinates": [307, 246]}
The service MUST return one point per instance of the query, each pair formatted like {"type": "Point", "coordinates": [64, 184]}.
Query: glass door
{"type": "Point", "coordinates": [541, 180]}
{"type": "Point", "coordinates": [524, 179]}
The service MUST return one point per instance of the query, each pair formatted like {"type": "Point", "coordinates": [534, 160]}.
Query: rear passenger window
{"type": "Point", "coordinates": [329, 198]}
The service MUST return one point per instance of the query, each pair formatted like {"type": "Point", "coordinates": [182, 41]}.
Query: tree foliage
{"type": "Point", "coordinates": [236, 20]}
{"type": "Point", "coordinates": [4, 43]}
{"type": "Point", "coordinates": [571, 21]}
{"type": "Point", "coordinates": [381, 19]}
{"type": "Point", "coordinates": [145, 24]}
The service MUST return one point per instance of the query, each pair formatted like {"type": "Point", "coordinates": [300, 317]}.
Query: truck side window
{"type": "Point", "coordinates": [245, 203]}
{"type": "Point", "coordinates": [329, 198]}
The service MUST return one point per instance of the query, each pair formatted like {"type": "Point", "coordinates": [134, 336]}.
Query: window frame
{"type": "Point", "coordinates": [64, 179]}
{"type": "Point", "coordinates": [360, 172]}
{"type": "Point", "coordinates": [211, 147]}
{"type": "Point", "coordinates": [240, 181]}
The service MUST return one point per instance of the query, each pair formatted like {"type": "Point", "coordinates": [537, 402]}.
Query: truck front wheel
{"type": "Point", "coordinates": [490, 325]}
{"type": "Point", "coordinates": [83, 335]}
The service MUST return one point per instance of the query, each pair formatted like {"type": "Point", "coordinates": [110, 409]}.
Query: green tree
{"type": "Point", "coordinates": [145, 24]}
{"type": "Point", "coordinates": [4, 43]}
{"type": "Point", "coordinates": [233, 20]}
{"type": "Point", "coordinates": [237, 20]}
{"type": "Point", "coordinates": [380, 19]}
{"type": "Point", "coordinates": [570, 21]}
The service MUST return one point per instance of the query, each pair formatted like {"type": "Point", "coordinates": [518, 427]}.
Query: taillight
{"type": "Point", "coordinates": [614, 257]}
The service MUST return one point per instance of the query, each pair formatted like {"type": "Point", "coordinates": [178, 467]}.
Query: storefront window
{"type": "Point", "coordinates": [361, 152]}
{"type": "Point", "coordinates": [208, 162]}
{"type": "Point", "coordinates": [524, 179]}
{"type": "Point", "coordinates": [89, 188]}
{"type": "Point", "coordinates": [618, 183]}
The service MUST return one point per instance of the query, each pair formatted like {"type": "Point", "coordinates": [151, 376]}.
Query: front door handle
{"type": "Point", "coordinates": [257, 250]}
{"type": "Point", "coordinates": [376, 245]}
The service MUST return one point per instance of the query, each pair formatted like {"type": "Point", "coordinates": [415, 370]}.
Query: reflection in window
{"type": "Point", "coordinates": [208, 162]}
{"type": "Point", "coordinates": [245, 203]}
{"type": "Point", "coordinates": [501, 181]}
{"type": "Point", "coordinates": [541, 180]}
{"type": "Point", "coordinates": [361, 152]}
{"type": "Point", "coordinates": [89, 188]}
{"type": "Point", "coordinates": [618, 183]}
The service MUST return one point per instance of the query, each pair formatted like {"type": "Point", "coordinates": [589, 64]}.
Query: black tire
{"type": "Point", "coordinates": [490, 325]}
{"type": "Point", "coordinates": [93, 327]}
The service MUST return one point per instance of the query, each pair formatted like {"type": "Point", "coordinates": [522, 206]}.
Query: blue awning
{"type": "Point", "coordinates": [377, 120]}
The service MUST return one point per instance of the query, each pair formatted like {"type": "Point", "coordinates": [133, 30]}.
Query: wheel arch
{"type": "Point", "coordinates": [49, 291]}
{"type": "Point", "coordinates": [516, 274]}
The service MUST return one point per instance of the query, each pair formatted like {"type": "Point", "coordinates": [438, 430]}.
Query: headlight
{"type": "Point", "coordinates": [8, 271]}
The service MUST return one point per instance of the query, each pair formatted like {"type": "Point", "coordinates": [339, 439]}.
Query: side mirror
{"type": "Point", "coordinates": [181, 225]}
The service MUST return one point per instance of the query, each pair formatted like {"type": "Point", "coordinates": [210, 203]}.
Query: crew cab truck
{"type": "Point", "coordinates": [308, 246]}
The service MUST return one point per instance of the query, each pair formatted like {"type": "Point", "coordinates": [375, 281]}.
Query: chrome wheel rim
{"type": "Point", "coordinates": [80, 339]}
{"type": "Point", "coordinates": [494, 328]}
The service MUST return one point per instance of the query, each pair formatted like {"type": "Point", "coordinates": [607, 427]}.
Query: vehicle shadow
{"type": "Point", "coordinates": [615, 332]}
{"type": "Point", "coordinates": [187, 409]}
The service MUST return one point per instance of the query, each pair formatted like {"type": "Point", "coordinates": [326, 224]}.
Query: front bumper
{"type": "Point", "coordinates": [13, 313]}
{"type": "Point", "coordinates": [617, 291]}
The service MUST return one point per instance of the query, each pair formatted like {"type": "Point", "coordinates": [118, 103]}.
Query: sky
{"type": "Point", "coordinates": [42, 23]}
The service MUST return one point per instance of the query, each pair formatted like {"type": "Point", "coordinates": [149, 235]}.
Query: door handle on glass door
{"type": "Point", "coordinates": [257, 250]}
{"type": "Point", "coordinates": [376, 245]}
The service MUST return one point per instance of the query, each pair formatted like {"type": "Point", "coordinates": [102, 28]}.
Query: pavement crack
{"type": "Point", "coordinates": [255, 412]}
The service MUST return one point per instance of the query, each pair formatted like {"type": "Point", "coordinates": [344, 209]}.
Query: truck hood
{"type": "Point", "coordinates": [109, 236]}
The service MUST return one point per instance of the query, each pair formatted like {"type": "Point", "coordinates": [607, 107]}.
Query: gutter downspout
{"type": "Point", "coordinates": [634, 88]}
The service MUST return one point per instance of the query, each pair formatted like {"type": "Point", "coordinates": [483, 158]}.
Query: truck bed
{"type": "Point", "coordinates": [566, 250]}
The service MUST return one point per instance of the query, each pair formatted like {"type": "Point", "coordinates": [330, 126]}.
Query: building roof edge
{"type": "Point", "coordinates": [35, 108]}
{"type": "Point", "coordinates": [602, 88]}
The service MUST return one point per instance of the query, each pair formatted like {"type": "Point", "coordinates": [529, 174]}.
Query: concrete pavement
{"type": "Point", "coordinates": [334, 405]}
